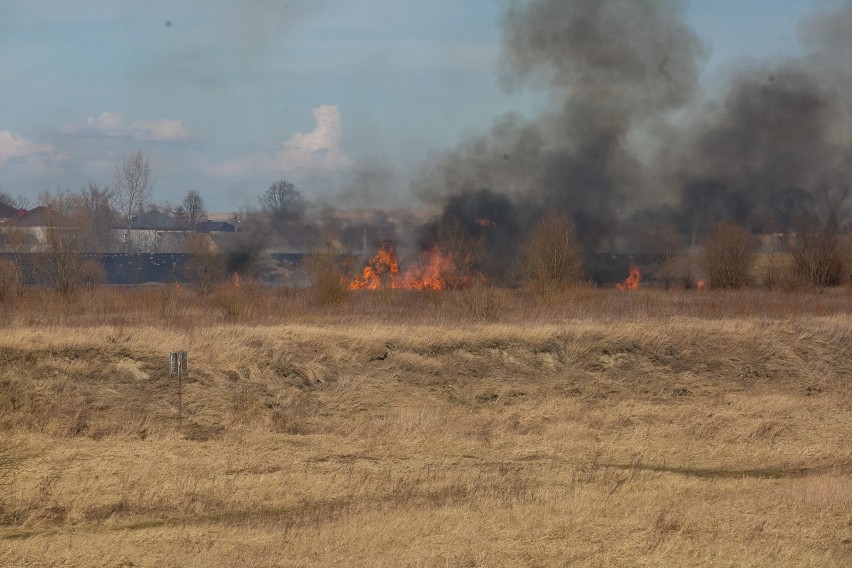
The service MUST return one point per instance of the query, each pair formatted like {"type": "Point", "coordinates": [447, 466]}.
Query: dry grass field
{"type": "Point", "coordinates": [471, 428]}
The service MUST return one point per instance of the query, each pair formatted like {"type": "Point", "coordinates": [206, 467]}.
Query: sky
{"type": "Point", "coordinates": [345, 98]}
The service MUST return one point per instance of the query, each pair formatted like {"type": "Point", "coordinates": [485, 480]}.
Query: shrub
{"type": "Point", "coordinates": [818, 258]}
{"type": "Point", "coordinates": [728, 256]}
{"type": "Point", "coordinates": [206, 269]}
{"type": "Point", "coordinates": [553, 259]}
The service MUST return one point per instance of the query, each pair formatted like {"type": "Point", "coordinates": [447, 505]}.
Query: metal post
{"type": "Point", "coordinates": [179, 366]}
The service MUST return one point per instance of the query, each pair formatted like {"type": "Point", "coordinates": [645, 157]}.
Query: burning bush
{"type": "Point", "coordinates": [382, 270]}
{"type": "Point", "coordinates": [453, 254]}
{"type": "Point", "coordinates": [633, 281]}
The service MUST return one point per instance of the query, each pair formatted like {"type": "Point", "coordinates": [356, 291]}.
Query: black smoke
{"type": "Point", "coordinates": [631, 133]}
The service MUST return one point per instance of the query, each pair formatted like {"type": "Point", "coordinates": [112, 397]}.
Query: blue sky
{"type": "Point", "coordinates": [228, 96]}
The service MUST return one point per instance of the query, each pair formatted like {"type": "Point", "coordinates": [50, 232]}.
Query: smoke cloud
{"type": "Point", "coordinates": [628, 133]}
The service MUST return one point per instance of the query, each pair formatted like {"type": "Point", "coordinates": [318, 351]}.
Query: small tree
{"type": "Point", "coordinates": [191, 212]}
{"type": "Point", "coordinates": [132, 187]}
{"type": "Point", "coordinates": [552, 259]}
{"type": "Point", "coordinates": [728, 256]}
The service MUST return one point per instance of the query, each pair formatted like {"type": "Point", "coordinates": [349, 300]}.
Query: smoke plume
{"type": "Point", "coordinates": [629, 135]}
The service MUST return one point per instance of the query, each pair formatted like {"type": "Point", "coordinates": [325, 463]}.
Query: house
{"type": "Point", "coordinates": [27, 231]}
{"type": "Point", "coordinates": [8, 212]}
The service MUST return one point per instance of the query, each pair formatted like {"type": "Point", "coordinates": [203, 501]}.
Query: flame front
{"type": "Point", "coordinates": [430, 275]}
{"type": "Point", "coordinates": [382, 271]}
{"type": "Point", "coordinates": [634, 278]}
{"type": "Point", "coordinates": [236, 279]}
{"type": "Point", "coordinates": [700, 284]}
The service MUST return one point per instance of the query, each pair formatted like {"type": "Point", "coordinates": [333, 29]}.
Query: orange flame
{"type": "Point", "coordinates": [700, 284]}
{"type": "Point", "coordinates": [382, 271]}
{"type": "Point", "coordinates": [633, 279]}
{"type": "Point", "coordinates": [236, 279]}
{"type": "Point", "coordinates": [487, 223]}
{"type": "Point", "coordinates": [430, 275]}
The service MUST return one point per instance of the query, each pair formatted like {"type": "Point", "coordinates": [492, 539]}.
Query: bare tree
{"type": "Point", "coordinates": [17, 201]}
{"type": "Point", "coordinates": [283, 203]}
{"type": "Point", "coordinates": [192, 212]}
{"type": "Point", "coordinates": [132, 187]}
{"type": "Point", "coordinates": [61, 243]}
{"type": "Point", "coordinates": [92, 214]}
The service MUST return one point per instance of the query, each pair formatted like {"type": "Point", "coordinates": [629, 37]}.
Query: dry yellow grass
{"type": "Point", "coordinates": [602, 430]}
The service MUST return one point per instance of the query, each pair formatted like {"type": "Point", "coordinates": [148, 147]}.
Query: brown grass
{"type": "Point", "coordinates": [616, 429]}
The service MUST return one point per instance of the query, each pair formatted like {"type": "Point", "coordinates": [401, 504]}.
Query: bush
{"type": "Point", "coordinates": [553, 259]}
{"type": "Point", "coordinates": [728, 256]}
{"type": "Point", "coordinates": [206, 269]}
{"type": "Point", "coordinates": [818, 258]}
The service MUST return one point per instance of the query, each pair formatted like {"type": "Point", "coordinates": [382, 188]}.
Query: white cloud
{"type": "Point", "coordinates": [113, 125]}
{"type": "Point", "coordinates": [316, 151]}
{"type": "Point", "coordinates": [162, 130]}
{"type": "Point", "coordinates": [16, 147]}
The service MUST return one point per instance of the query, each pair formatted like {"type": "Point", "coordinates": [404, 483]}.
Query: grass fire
{"type": "Point", "coordinates": [595, 310]}
{"type": "Point", "coordinates": [433, 272]}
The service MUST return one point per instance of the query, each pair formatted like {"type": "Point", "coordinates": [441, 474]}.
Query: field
{"type": "Point", "coordinates": [477, 428]}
